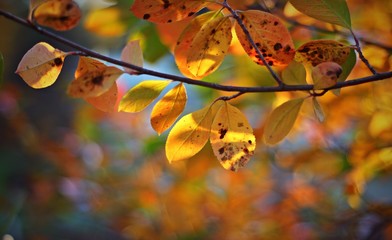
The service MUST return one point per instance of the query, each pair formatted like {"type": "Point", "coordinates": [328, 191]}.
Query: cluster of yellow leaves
{"type": "Point", "coordinates": [199, 51]}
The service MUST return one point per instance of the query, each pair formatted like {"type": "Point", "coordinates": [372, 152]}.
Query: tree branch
{"type": "Point", "coordinates": [240, 89]}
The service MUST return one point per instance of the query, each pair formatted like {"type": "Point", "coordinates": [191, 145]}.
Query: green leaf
{"type": "Point", "coordinates": [318, 111]}
{"type": "Point", "coordinates": [1, 68]}
{"type": "Point", "coordinates": [141, 95]}
{"type": "Point", "coordinates": [331, 11]}
{"type": "Point", "coordinates": [281, 120]}
{"type": "Point", "coordinates": [294, 74]}
{"type": "Point", "coordinates": [347, 67]}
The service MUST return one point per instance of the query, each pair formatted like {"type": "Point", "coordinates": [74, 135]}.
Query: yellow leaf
{"type": "Point", "coordinates": [105, 22]}
{"type": "Point", "coordinates": [318, 51]}
{"type": "Point", "coordinates": [182, 48]}
{"type": "Point", "coordinates": [232, 138]}
{"type": "Point", "coordinates": [158, 11]}
{"type": "Point", "coordinates": [106, 101]}
{"type": "Point", "coordinates": [281, 120]}
{"type": "Point", "coordinates": [167, 110]}
{"type": "Point", "coordinates": [209, 47]}
{"type": "Point", "coordinates": [59, 15]}
{"type": "Point", "coordinates": [141, 95]}
{"type": "Point", "coordinates": [270, 36]}
{"type": "Point", "coordinates": [41, 65]}
{"type": "Point", "coordinates": [190, 133]}
{"type": "Point", "coordinates": [132, 53]}
{"type": "Point", "coordinates": [92, 78]}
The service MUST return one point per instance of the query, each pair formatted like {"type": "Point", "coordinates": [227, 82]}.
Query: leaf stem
{"type": "Point", "coordinates": [361, 56]}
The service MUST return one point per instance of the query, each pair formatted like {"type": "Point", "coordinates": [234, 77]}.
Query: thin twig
{"type": "Point", "coordinates": [361, 56]}
{"type": "Point", "coordinates": [282, 88]}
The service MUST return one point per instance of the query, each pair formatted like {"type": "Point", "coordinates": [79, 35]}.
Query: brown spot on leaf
{"type": "Point", "coordinates": [58, 62]}
{"type": "Point", "coordinates": [146, 16]}
{"type": "Point", "coordinates": [97, 80]}
{"type": "Point", "coordinates": [278, 46]}
{"type": "Point", "coordinates": [222, 133]}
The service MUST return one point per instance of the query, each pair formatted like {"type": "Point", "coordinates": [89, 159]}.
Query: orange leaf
{"type": "Point", "coordinates": [182, 49]}
{"type": "Point", "coordinates": [92, 78]}
{"type": "Point", "coordinates": [60, 15]}
{"type": "Point", "coordinates": [270, 36]}
{"type": "Point", "coordinates": [159, 11]}
{"type": "Point", "coordinates": [106, 101]}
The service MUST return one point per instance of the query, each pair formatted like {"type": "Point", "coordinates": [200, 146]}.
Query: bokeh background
{"type": "Point", "coordinates": [69, 171]}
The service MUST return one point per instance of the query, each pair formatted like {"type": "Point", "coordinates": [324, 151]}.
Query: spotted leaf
{"type": "Point", "coordinates": [41, 65]}
{"type": "Point", "coordinates": [315, 52]}
{"type": "Point", "coordinates": [270, 36]}
{"type": "Point", "coordinates": [209, 47]}
{"type": "Point", "coordinates": [60, 15]}
{"type": "Point", "coordinates": [182, 49]}
{"type": "Point", "coordinates": [165, 11]}
{"type": "Point", "coordinates": [232, 138]}
{"type": "Point", "coordinates": [92, 78]}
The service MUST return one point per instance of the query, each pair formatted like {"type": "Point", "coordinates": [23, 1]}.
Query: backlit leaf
{"type": "Point", "coordinates": [141, 95]}
{"type": "Point", "coordinates": [60, 15]}
{"type": "Point", "coordinates": [105, 22]}
{"type": "Point", "coordinates": [106, 101]}
{"type": "Point", "coordinates": [159, 11]}
{"type": "Point", "coordinates": [41, 65]}
{"type": "Point", "coordinates": [92, 78]}
{"type": "Point", "coordinates": [209, 47]}
{"type": "Point", "coordinates": [190, 133]}
{"type": "Point", "coordinates": [182, 48]}
{"type": "Point", "coordinates": [270, 36]}
{"type": "Point", "coordinates": [132, 53]}
{"type": "Point", "coordinates": [281, 120]}
{"type": "Point", "coordinates": [232, 138]}
{"type": "Point", "coordinates": [294, 74]}
{"type": "Point", "coordinates": [167, 110]}
{"type": "Point", "coordinates": [318, 111]}
{"type": "Point", "coordinates": [331, 11]}
{"type": "Point", "coordinates": [318, 51]}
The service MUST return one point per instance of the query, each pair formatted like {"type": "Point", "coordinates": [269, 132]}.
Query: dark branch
{"type": "Point", "coordinates": [240, 89]}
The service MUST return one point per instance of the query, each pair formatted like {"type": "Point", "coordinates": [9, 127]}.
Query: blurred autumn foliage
{"type": "Point", "coordinates": [70, 171]}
